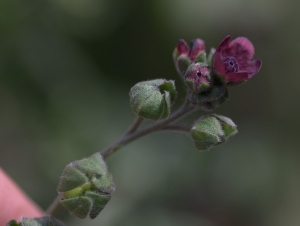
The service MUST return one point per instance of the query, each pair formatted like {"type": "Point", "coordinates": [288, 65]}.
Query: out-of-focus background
{"type": "Point", "coordinates": [66, 68]}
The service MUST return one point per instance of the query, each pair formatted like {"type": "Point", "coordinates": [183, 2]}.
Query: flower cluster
{"type": "Point", "coordinates": [208, 77]}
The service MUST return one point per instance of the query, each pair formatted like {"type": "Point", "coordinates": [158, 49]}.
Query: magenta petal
{"type": "Point", "coordinates": [253, 67]}
{"type": "Point", "coordinates": [196, 47]}
{"type": "Point", "coordinates": [241, 49]}
{"type": "Point", "coordinates": [224, 44]}
{"type": "Point", "coordinates": [219, 66]}
{"type": "Point", "coordinates": [182, 47]}
{"type": "Point", "coordinates": [236, 77]}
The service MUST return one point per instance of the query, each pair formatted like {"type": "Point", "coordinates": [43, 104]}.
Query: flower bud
{"type": "Point", "coordinates": [152, 99]}
{"type": "Point", "coordinates": [212, 130]}
{"type": "Point", "coordinates": [181, 57]}
{"type": "Point", "coordinates": [210, 99]}
{"type": "Point", "coordinates": [86, 186]}
{"type": "Point", "coordinates": [184, 55]}
{"type": "Point", "coordinates": [197, 77]}
{"type": "Point", "coordinates": [197, 50]}
{"type": "Point", "coordinates": [42, 221]}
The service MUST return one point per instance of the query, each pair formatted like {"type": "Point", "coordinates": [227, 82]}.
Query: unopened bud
{"type": "Point", "coordinates": [197, 77]}
{"type": "Point", "coordinates": [181, 57]}
{"type": "Point", "coordinates": [197, 48]}
{"type": "Point", "coordinates": [212, 130]}
{"type": "Point", "coordinates": [152, 99]}
{"type": "Point", "coordinates": [184, 55]}
{"type": "Point", "coordinates": [86, 186]}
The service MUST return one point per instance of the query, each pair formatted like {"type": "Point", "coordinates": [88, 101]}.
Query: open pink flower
{"type": "Point", "coordinates": [234, 61]}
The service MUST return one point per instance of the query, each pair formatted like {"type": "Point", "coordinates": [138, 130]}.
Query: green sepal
{"type": "Point", "coordinates": [208, 142]}
{"type": "Point", "coordinates": [206, 133]}
{"type": "Point", "coordinates": [86, 186]}
{"type": "Point", "coordinates": [201, 57]}
{"type": "Point", "coordinates": [97, 173]}
{"type": "Point", "coordinates": [42, 221]}
{"type": "Point", "coordinates": [210, 56]}
{"type": "Point", "coordinates": [99, 202]}
{"type": "Point", "coordinates": [181, 62]}
{"type": "Point", "coordinates": [228, 125]}
{"type": "Point", "coordinates": [203, 87]}
{"type": "Point", "coordinates": [219, 79]}
{"type": "Point", "coordinates": [191, 84]}
{"type": "Point", "coordinates": [211, 99]}
{"type": "Point", "coordinates": [89, 205]}
{"type": "Point", "coordinates": [79, 206]}
{"type": "Point", "coordinates": [168, 87]}
{"type": "Point", "coordinates": [209, 125]}
{"type": "Point", "coordinates": [74, 180]}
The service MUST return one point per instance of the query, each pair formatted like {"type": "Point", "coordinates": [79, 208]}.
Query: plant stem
{"type": "Point", "coordinates": [177, 128]}
{"type": "Point", "coordinates": [132, 134]}
{"type": "Point", "coordinates": [55, 206]}
{"type": "Point", "coordinates": [123, 140]}
{"type": "Point", "coordinates": [137, 122]}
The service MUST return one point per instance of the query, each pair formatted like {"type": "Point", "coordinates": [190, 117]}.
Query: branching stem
{"type": "Point", "coordinates": [177, 128]}
{"type": "Point", "coordinates": [159, 125]}
{"type": "Point", "coordinates": [134, 133]}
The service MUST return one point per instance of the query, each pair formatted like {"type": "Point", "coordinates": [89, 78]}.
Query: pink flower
{"type": "Point", "coordinates": [234, 61]}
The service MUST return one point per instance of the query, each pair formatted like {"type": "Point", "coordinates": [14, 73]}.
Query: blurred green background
{"type": "Point", "coordinates": [66, 67]}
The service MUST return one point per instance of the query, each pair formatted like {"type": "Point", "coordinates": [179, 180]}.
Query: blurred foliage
{"type": "Point", "coordinates": [66, 67]}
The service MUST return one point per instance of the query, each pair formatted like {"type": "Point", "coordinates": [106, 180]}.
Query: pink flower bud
{"type": "Point", "coordinates": [184, 55]}
{"type": "Point", "coordinates": [197, 77]}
